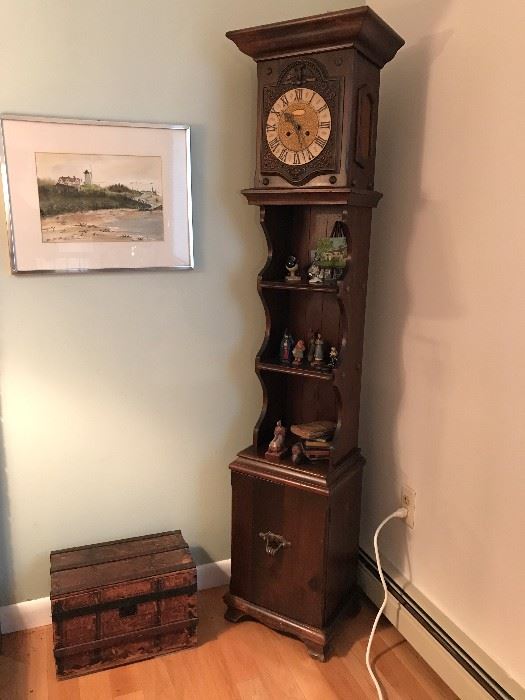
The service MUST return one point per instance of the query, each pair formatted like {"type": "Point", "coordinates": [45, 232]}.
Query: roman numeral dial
{"type": "Point", "coordinates": [298, 126]}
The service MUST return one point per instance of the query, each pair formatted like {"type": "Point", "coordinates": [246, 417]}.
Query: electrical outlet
{"type": "Point", "coordinates": [408, 501]}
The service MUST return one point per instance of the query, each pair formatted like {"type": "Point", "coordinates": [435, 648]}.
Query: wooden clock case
{"type": "Point", "coordinates": [295, 528]}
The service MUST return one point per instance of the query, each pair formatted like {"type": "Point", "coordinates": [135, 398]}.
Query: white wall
{"type": "Point", "coordinates": [443, 403]}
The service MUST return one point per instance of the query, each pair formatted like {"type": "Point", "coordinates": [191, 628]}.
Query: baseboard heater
{"type": "Point", "coordinates": [438, 633]}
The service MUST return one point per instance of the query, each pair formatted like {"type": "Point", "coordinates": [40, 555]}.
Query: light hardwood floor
{"type": "Point", "coordinates": [245, 661]}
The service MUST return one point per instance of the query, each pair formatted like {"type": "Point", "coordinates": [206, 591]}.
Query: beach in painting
{"type": "Point", "coordinates": [110, 225]}
{"type": "Point", "coordinates": [99, 198]}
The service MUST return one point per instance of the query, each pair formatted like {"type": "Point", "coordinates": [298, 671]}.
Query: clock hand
{"type": "Point", "coordinates": [300, 137]}
{"type": "Point", "coordinates": [296, 126]}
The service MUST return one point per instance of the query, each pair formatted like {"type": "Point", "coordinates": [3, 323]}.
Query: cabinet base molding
{"type": "Point", "coordinates": [317, 640]}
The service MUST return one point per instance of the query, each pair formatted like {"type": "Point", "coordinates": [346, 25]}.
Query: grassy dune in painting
{"type": "Point", "coordinates": [55, 199]}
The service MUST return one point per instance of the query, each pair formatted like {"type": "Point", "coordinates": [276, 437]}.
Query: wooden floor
{"type": "Point", "coordinates": [244, 661]}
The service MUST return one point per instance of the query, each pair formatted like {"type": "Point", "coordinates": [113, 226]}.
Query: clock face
{"type": "Point", "coordinates": [298, 126]}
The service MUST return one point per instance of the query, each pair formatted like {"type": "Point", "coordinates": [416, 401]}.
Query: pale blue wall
{"type": "Point", "coordinates": [125, 395]}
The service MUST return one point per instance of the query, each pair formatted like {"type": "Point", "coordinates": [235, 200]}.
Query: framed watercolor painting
{"type": "Point", "coordinates": [94, 195]}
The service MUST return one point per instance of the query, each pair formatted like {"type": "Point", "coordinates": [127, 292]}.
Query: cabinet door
{"type": "Point", "coordinates": [292, 581]}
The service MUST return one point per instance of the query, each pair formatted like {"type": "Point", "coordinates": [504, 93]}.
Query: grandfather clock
{"type": "Point", "coordinates": [295, 526]}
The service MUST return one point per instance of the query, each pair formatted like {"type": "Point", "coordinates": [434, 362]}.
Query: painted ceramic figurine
{"type": "Point", "coordinates": [297, 453]}
{"type": "Point", "coordinates": [333, 358]}
{"type": "Point", "coordinates": [298, 352]}
{"type": "Point", "coordinates": [277, 444]}
{"type": "Point", "coordinates": [285, 350]}
{"type": "Point", "coordinates": [311, 347]}
{"type": "Point", "coordinates": [318, 350]}
{"type": "Point", "coordinates": [315, 274]}
{"type": "Point", "coordinates": [291, 269]}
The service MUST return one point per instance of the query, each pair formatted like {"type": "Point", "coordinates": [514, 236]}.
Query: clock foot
{"type": "Point", "coordinates": [317, 651]}
{"type": "Point", "coordinates": [234, 615]}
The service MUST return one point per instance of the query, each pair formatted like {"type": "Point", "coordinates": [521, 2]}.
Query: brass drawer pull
{"type": "Point", "coordinates": [274, 542]}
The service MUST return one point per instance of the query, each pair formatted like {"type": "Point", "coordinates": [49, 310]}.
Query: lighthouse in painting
{"type": "Point", "coordinates": [88, 177]}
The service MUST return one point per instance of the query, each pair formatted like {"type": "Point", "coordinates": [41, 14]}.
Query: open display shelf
{"type": "Point", "coordinates": [299, 287]}
{"type": "Point", "coordinates": [295, 526]}
{"type": "Point", "coordinates": [294, 370]}
{"type": "Point", "coordinates": [300, 394]}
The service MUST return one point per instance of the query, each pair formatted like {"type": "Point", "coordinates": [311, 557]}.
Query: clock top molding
{"type": "Point", "coordinates": [317, 105]}
{"type": "Point", "coordinates": [359, 27]}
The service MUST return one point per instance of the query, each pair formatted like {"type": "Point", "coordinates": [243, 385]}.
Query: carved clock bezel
{"type": "Point", "coordinates": [306, 73]}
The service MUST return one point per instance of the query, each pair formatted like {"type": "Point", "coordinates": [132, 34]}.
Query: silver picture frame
{"type": "Point", "coordinates": [88, 247]}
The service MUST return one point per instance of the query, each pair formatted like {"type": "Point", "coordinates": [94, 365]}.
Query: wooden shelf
{"type": "Point", "coordinates": [301, 371]}
{"type": "Point", "coordinates": [305, 196]}
{"type": "Point", "coordinates": [314, 475]}
{"type": "Point", "coordinates": [299, 286]}
{"type": "Point", "coordinates": [315, 471]}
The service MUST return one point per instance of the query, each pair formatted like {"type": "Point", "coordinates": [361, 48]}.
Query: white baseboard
{"type": "Point", "coordinates": [437, 657]}
{"type": "Point", "coordinates": [37, 613]}
{"type": "Point", "coordinates": [25, 615]}
{"type": "Point", "coordinates": [215, 574]}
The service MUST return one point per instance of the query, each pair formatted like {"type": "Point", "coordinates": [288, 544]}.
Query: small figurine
{"type": "Point", "coordinates": [318, 351]}
{"type": "Point", "coordinates": [297, 453]}
{"type": "Point", "coordinates": [333, 358]}
{"type": "Point", "coordinates": [298, 352]}
{"type": "Point", "coordinates": [276, 448]}
{"type": "Point", "coordinates": [291, 269]}
{"type": "Point", "coordinates": [315, 274]}
{"type": "Point", "coordinates": [285, 350]}
{"type": "Point", "coordinates": [277, 444]}
{"type": "Point", "coordinates": [311, 347]}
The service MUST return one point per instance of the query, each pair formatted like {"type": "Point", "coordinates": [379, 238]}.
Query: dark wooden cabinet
{"type": "Point", "coordinates": [295, 527]}
{"type": "Point", "coordinates": [291, 584]}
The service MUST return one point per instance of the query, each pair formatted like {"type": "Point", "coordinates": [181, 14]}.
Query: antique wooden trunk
{"type": "Point", "coordinates": [118, 602]}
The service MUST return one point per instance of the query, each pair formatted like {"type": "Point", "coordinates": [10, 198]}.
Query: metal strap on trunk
{"type": "Point", "coordinates": [58, 613]}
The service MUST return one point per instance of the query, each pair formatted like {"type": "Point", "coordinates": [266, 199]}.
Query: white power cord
{"type": "Point", "coordinates": [399, 513]}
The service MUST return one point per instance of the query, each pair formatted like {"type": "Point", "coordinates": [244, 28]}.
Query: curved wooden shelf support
{"type": "Point", "coordinates": [264, 344]}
